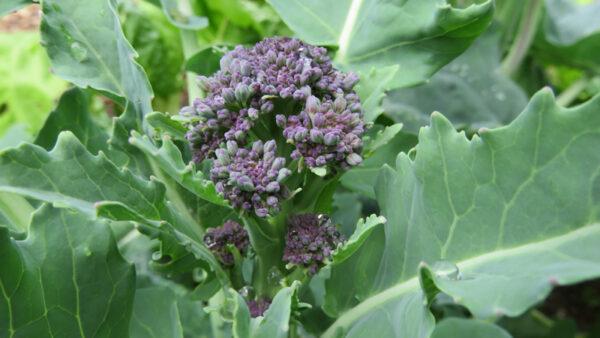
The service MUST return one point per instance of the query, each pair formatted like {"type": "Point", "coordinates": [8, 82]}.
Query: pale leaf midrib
{"type": "Point", "coordinates": [412, 284]}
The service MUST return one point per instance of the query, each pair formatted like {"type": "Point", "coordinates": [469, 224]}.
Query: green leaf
{"type": "Point", "coordinates": [155, 314]}
{"type": "Point", "coordinates": [381, 138]}
{"type": "Point", "coordinates": [366, 37]}
{"type": "Point", "coordinates": [274, 323]}
{"type": "Point", "coordinates": [87, 47]}
{"type": "Point", "coordinates": [17, 212]}
{"type": "Point", "coordinates": [494, 206]}
{"type": "Point", "coordinates": [70, 175]}
{"type": "Point", "coordinates": [66, 279]}
{"type": "Point", "coordinates": [8, 6]}
{"type": "Point", "coordinates": [568, 21]}
{"type": "Point", "coordinates": [470, 92]}
{"type": "Point", "coordinates": [181, 17]}
{"type": "Point", "coordinates": [206, 61]}
{"type": "Point", "coordinates": [360, 235]}
{"type": "Point", "coordinates": [168, 158]}
{"type": "Point", "coordinates": [362, 179]}
{"type": "Point", "coordinates": [16, 134]}
{"type": "Point", "coordinates": [72, 114]}
{"type": "Point", "coordinates": [458, 327]}
{"type": "Point", "coordinates": [164, 123]}
{"type": "Point", "coordinates": [27, 87]}
{"type": "Point", "coordinates": [372, 89]}
{"type": "Point", "coordinates": [571, 35]}
{"type": "Point", "coordinates": [534, 269]}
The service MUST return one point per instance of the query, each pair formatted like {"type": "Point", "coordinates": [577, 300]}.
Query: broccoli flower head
{"type": "Point", "coordinates": [271, 110]}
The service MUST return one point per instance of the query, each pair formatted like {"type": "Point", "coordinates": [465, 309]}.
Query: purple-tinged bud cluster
{"type": "Point", "coordinates": [310, 241]}
{"type": "Point", "coordinates": [230, 233]}
{"type": "Point", "coordinates": [251, 179]}
{"type": "Point", "coordinates": [327, 132]}
{"type": "Point", "coordinates": [258, 307]}
{"type": "Point", "coordinates": [279, 78]}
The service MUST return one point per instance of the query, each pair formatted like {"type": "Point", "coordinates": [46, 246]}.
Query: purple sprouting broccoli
{"type": "Point", "coordinates": [251, 179]}
{"type": "Point", "coordinates": [327, 132]}
{"type": "Point", "coordinates": [230, 233]}
{"type": "Point", "coordinates": [258, 307]}
{"type": "Point", "coordinates": [281, 90]}
{"type": "Point", "coordinates": [310, 241]}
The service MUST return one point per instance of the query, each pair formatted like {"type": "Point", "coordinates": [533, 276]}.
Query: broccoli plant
{"type": "Point", "coordinates": [279, 195]}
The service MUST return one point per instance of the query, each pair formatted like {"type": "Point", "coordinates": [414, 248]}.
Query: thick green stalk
{"type": "Point", "coordinates": [267, 241]}
{"type": "Point", "coordinates": [570, 94]}
{"type": "Point", "coordinates": [189, 41]}
{"type": "Point", "coordinates": [522, 42]}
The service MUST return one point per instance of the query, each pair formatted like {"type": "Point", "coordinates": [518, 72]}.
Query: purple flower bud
{"type": "Point", "coordinates": [222, 156]}
{"type": "Point", "coordinates": [353, 159]}
{"type": "Point", "coordinates": [258, 307]}
{"type": "Point", "coordinates": [242, 93]}
{"type": "Point", "coordinates": [228, 95]}
{"type": "Point", "coordinates": [203, 83]}
{"type": "Point", "coordinates": [316, 136]}
{"type": "Point", "coordinates": [278, 163]}
{"type": "Point", "coordinates": [283, 174]}
{"type": "Point", "coordinates": [267, 107]}
{"type": "Point", "coordinates": [245, 183]}
{"type": "Point", "coordinates": [312, 104]}
{"type": "Point", "coordinates": [230, 233]}
{"type": "Point", "coordinates": [339, 104]}
{"type": "Point", "coordinates": [232, 148]}
{"type": "Point", "coordinates": [349, 81]}
{"type": "Point", "coordinates": [272, 201]}
{"type": "Point", "coordinates": [262, 212]}
{"type": "Point", "coordinates": [280, 120]}
{"type": "Point", "coordinates": [310, 240]}
{"type": "Point", "coordinates": [272, 187]}
{"type": "Point", "coordinates": [258, 147]}
{"type": "Point", "coordinates": [331, 139]}
{"type": "Point", "coordinates": [270, 146]}
{"type": "Point", "coordinates": [253, 114]}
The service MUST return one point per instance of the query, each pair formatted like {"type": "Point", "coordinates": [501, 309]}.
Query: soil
{"type": "Point", "coordinates": [25, 19]}
{"type": "Point", "coordinates": [580, 302]}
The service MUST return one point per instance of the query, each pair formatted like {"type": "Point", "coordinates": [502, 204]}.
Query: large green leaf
{"type": "Point", "coordinates": [70, 175]}
{"type": "Point", "coordinates": [493, 205]}
{"type": "Point", "coordinates": [375, 33]}
{"type": "Point", "coordinates": [470, 92]}
{"type": "Point", "coordinates": [155, 314]}
{"type": "Point", "coordinates": [72, 114]}
{"type": "Point", "coordinates": [168, 157]}
{"type": "Point", "coordinates": [458, 327]}
{"type": "Point", "coordinates": [571, 35]}
{"type": "Point", "coordinates": [568, 21]}
{"type": "Point", "coordinates": [87, 47]}
{"type": "Point", "coordinates": [66, 279]}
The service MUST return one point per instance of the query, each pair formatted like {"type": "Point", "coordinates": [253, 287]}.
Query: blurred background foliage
{"type": "Point", "coordinates": [531, 44]}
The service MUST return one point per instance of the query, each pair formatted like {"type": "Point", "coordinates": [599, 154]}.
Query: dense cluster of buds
{"type": "Point", "coordinates": [310, 241]}
{"type": "Point", "coordinates": [251, 178]}
{"type": "Point", "coordinates": [230, 233]}
{"type": "Point", "coordinates": [307, 102]}
{"type": "Point", "coordinates": [326, 132]}
{"type": "Point", "coordinates": [258, 307]}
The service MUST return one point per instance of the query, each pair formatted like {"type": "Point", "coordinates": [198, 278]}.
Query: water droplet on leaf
{"type": "Point", "coordinates": [446, 269]}
{"type": "Point", "coordinates": [79, 52]}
